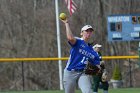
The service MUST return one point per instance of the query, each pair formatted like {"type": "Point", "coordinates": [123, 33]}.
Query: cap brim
{"type": "Point", "coordinates": [97, 46]}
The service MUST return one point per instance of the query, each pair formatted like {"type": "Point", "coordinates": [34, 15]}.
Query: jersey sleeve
{"type": "Point", "coordinates": [96, 60]}
{"type": "Point", "coordinates": [76, 43]}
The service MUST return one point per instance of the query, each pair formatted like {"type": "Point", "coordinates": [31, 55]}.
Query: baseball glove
{"type": "Point", "coordinates": [91, 69]}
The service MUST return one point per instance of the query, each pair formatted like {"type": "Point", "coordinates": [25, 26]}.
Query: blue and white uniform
{"type": "Point", "coordinates": [80, 53]}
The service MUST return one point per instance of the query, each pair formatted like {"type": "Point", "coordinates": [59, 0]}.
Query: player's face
{"type": "Point", "coordinates": [87, 34]}
{"type": "Point", "coordinates": [97, 49]}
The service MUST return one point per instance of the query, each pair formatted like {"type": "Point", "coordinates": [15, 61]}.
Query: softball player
{"type": "Point", "coordinates": [80, 53]}
{"type": "Point", "coordinates": [101, 77]}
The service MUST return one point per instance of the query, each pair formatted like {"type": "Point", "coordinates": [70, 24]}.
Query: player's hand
{"type": "Point", "coordinates": [64, 21]}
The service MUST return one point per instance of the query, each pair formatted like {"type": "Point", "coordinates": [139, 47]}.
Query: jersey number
{"type": "Point", "coordinates": [84, 60]}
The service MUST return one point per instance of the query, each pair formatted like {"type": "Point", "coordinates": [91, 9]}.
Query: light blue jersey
{"type": "Point", "coordinates": [80, 53]}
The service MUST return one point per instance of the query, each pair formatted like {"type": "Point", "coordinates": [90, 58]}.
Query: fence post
{"type": "Point", "coordinates": [23, 78]}
{"type": "Point", "coordinates": [139, 53]}
{"type": "Point", "coordinates": [130, 73]}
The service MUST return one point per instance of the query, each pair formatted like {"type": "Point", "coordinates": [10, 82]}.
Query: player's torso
{"type": "Point", "coordinates": [79, 55]}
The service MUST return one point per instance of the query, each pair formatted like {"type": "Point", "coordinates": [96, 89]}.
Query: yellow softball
{"type": "Point", "coordinates": [62, 16]}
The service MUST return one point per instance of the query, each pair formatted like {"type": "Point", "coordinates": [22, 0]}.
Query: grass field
{"type": "Point", "coordinates": [120, 90]}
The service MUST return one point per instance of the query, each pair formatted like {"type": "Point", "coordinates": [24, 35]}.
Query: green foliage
{"type": "Point", "coordinates": [116, 73]}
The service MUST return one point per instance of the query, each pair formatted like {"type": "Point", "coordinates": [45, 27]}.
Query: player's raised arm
{"type": "Point", "coordinates": [69, 34]}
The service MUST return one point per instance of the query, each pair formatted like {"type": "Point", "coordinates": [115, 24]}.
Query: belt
{"type": "Point", "coordinates": [76, 70]}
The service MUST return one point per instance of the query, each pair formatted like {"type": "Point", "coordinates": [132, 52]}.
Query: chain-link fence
{"type": "Point", "coordinates": [44, 75]}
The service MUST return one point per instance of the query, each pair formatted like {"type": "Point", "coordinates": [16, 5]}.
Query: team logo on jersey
{"type": "Point", "coordinates": [86, 53]}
